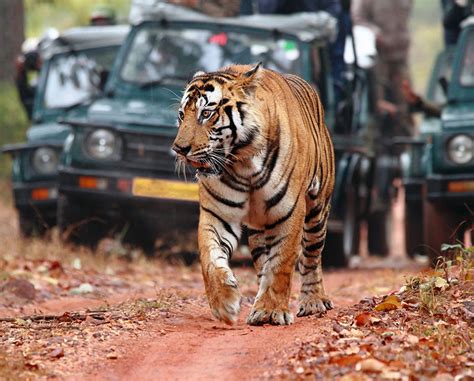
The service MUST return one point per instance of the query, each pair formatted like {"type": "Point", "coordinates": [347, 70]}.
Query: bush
{"type": "Point", "coordinates": [63, 14]}
{"type": "Point", "coordinates": [13, 123]}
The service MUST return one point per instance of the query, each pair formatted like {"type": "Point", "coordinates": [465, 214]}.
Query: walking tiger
{"type": "Point", "coordinates": [264, 159]}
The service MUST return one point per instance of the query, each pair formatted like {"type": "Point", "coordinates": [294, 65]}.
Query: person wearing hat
{"type": "Point", "coordinates": [102, 15]}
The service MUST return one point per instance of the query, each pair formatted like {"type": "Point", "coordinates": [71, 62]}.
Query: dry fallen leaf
{"type": "Point", "coordinates": [391, 302]}
{"type": "Point", "coordinates": [370, 365]}
{"type": "Point", "coordinates": [300, 370]}
{"type": "Point", "coordinates": [412, 339]}
{"type": "Point", "coordinates": [346, 360]}
{"type": "Point", "coordinates": [391, 375]}
{"type": "Point", "coordinates": [441, 283]}
{"type": "Point", "coordinates": [57, 353]}
{"type": "Point", "coordinates": [363, 319]}
{"type": "Point", "coordinates": [354, 377]}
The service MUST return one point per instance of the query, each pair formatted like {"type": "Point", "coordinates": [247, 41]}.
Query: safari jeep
{"type": "Point", "coordinates": [439, 167]}
{"type": "Point", "coordinates": [74, 66]}
{"type": "Point", "coordinates": [118, 170]}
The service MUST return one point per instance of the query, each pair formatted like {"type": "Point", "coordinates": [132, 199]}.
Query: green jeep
{"type": "Point", "coordinates": [74, 67]}
{"type": "Point", "coordinates": [438, 170]}
{"type": "Point", "coordinates": [118, 170]}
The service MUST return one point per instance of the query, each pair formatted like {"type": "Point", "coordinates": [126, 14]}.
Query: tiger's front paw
{"type": "Point", "coordinates": [275, 317]}
{"type": "Point", "coordinates": [223, 294]}
{"type": "Point", "coordinates": [314, 305]}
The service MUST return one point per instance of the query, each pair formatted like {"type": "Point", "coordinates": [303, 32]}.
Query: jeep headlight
{"type": "Point", "coordinates": [103, 144]}
{"type": "Point", "coordinates": [460, 149]}
{"type": "Point", "coordinates": [45, 161]}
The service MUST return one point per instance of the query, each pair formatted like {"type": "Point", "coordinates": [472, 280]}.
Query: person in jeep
{"type": "Point", "coordinates": [215, 8]}
{"type": "Point", "coordinates": [454, 12]}
{"type": "Point", "coordinates": [389, 21]}
{"type": "Point", "coordinates": [102, 15]}
{"type": "Point", "coordinates": [25, 63]}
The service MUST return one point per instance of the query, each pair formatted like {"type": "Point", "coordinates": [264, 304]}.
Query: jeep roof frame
{"type": "Point", "coordinates": [306, 26]}
{"type": "Point", "coordinates": [81, 38]}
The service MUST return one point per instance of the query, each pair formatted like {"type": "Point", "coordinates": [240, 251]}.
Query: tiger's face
{"type": "Point", "coordinates": [214, 122]}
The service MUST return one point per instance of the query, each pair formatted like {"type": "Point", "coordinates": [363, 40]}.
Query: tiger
{"type": "Point", "coordinates": [264, 159]}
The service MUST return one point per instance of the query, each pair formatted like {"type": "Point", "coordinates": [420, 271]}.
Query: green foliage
{"type": "Point", "coordinates": [427, 41]}
{"type": "Point", "coordinates": [13, 122]}
{"type": "Point", "coordinates": [63, 14]}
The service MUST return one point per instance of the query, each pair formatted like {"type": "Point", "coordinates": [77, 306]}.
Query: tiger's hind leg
{"type": "Point", "coordinates": [313, 299]}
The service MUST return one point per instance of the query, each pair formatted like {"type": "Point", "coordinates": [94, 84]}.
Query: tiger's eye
{"type": "Point", "coordinates": [206, 114]}
{"type": "Point", "coordinates": [181, 115]}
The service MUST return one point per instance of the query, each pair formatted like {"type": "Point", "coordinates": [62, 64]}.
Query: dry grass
{"type": "Point", "coordinates": [429, 289]}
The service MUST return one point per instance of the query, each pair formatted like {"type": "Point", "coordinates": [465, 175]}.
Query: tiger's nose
{"type": "Point", "coordinates": [181, 150]}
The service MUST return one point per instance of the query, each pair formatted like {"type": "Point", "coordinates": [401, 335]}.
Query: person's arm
{"type": "Point", "coordinates": [453, 13]}
{"type": "Point", "coordinates": [431, 109]}
{"type": "Point", "coordinates": [362, 15]}
{"type": "Point", "coordinates": [220, 8]}
{"type": "Point", "coordinates": [333, 7]}
{"type": "Point", "coordinates": [418, 104]}
{"type": "Point", "coordinates": [269, 6]}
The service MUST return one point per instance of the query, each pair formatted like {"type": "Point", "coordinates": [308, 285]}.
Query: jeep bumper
{"type": "Point", "coordinates": [166, 203]}
{"type": "Point", "coordinates": [37, 195]}
{"type": "Point", "coordinates": [455, 188]}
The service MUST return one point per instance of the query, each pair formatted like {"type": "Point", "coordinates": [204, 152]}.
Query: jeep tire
{"type": "Point", "coordinates": [440, 221]}
{"type": "Point", "coordinates": [414, 228]}
{"type": "Point", "coordinates": [351, 230]}
{"type": "Point", "coordinates": [140, 235]}
{"type": "Point", "coordinates": [378, 232]}
{"type": "Point", "coordinates": [333, 252]}
{"type": "Point", "coordinates": [78, 223]}
{"type": "Point", "coordinates": [31, 224]}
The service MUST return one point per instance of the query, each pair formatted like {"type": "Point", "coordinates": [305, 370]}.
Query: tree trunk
{"type": "Point", "coordinates": [12, 36]}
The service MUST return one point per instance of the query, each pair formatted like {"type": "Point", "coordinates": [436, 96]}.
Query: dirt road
{"type": "Point", "coordinates": [116, 316]}
{"type": "Point", "coordinates": [181, 340]}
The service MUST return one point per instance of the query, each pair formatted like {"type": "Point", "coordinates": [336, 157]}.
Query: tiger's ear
{"type": "Point", "coordinates": [252, 72]}
{"type": "Point", "coordinates": [247, 79]}
{"type": "Point", "coordinates": [198, 73]}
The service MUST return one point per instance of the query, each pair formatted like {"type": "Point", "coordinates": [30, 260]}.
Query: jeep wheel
{"type": "Point", "coordinates": [31, 224]}
{"type": "Point", "coordinates": [351, 232]}
{"type": "Point", "coordinates": [378, 230]}
{"type": "Point", "coordinates": [141, 236]}
{"type": "Point", "coordinates": [414, 228]}
{"type": "Point", "coordinates": [439, 226]}
{"type": "Point", "coordinates": [78, 224]}
{"type": "Point", "coordinates": [333, 252]}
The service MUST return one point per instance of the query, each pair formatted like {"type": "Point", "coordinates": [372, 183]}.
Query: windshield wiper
{"type": "Point", "coordinates": [85, 101]}
{"type": "Point", "coordinates": [159, 81]}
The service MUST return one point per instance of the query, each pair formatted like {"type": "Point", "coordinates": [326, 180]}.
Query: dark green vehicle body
{"type": "Point", "coordinates": [34, 188]}
{"type": "Point", "coordinates": [438, 171]}
{"type": "Point", "coordinates": [138, 188]}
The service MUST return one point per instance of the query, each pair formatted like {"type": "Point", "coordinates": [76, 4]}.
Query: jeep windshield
{"type": "Point", "coordinates": [159, 54]}
{"type": "Point", "coordinates": [75, 77]}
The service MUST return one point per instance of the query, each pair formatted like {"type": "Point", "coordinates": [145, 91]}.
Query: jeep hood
{"type": "Point", "coordinates": [47, 132]}
{"type": "Point", "coordinates": [459, 115]}
{"type": "Point", "coordinates": [156, 112]}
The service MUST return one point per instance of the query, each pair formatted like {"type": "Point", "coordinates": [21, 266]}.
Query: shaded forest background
{"type": "Point", "coordinates": [32, 18]}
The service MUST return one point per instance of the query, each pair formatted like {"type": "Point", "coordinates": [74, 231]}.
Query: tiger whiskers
{"type": "Point", "coordinates": [179, 167]}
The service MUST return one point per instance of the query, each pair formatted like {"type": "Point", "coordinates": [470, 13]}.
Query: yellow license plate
{"type": "Point", "coordinates": [173, 190]}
